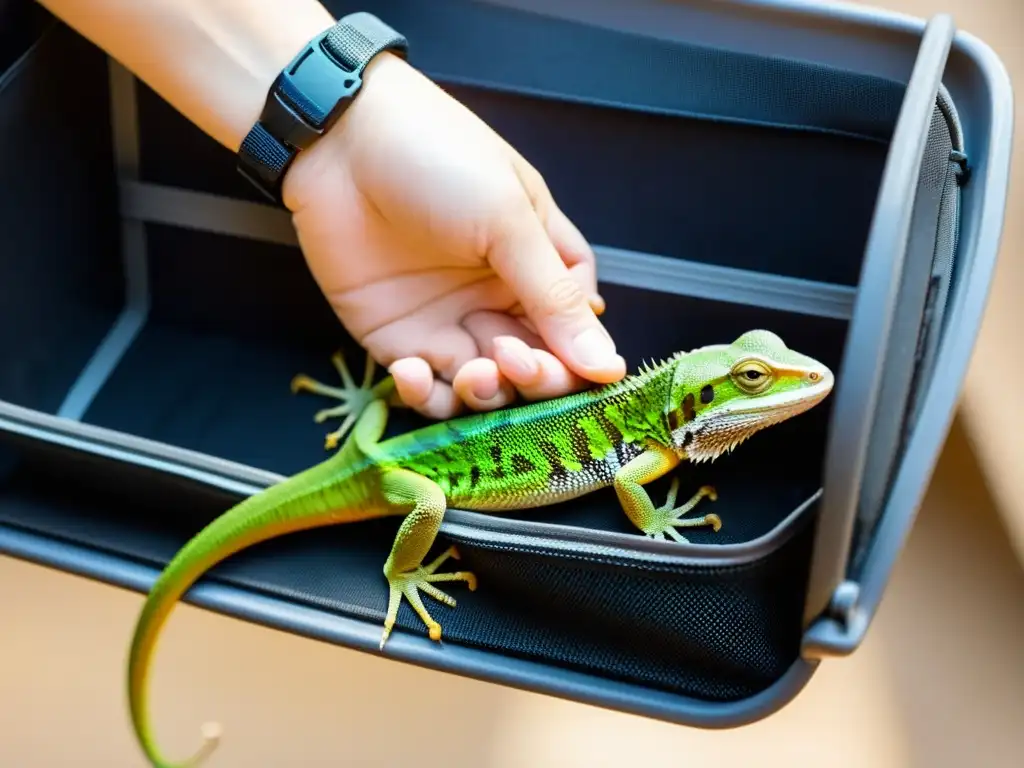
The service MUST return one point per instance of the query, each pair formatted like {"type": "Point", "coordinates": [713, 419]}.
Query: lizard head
{"type": "Point", "coordinates": [723, 394]}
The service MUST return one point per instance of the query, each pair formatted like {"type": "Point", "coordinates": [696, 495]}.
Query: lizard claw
{"type": "Point", "coordinates": [668, 517]}
{"type": "Point", "coordinates": [354, 398]}
{"type": "Point", "coordinates": [422, 579]}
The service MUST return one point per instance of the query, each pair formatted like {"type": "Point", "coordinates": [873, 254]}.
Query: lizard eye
{"type": "Point", "coordinates": [752, 376]}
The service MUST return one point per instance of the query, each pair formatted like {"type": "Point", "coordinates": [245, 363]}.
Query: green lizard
{"type": "Point", "coordinates": [694, 406]}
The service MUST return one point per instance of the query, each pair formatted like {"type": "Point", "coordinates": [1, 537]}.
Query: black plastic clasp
{"type": "Point", "coordinates": [309, 95]}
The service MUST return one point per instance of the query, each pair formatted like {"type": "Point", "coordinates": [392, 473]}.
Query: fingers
{"type": "Point", "coordinates": [448, 349]}
{"type": "Point", "coordinates": [517, 362]}
{"type": "Point", "coordinates": [521, 357]}
{"type": "Point", "coordinates": [448, 353]}
{"type": "Point", "coordinates": [570, 243]}
{"type": "Point", "coordinates": [481, 386]}
{"type": "Point", "coordinates": [522, 253]}
{"type": "Point", "coordinates": [442, 344]}
{"type": "Point", "coordinates": [419, 378]}
{"type": "Point", "coordinates": [416, 385]}
{"type": "Point", "coordinates": [576, 253]}
{"type": "Point", "coordinates": [478, 384]}
{"type": "Point", "coordinates": [585, 273]}
{"type": "Point", "coordinates": [536, 373]}
{"type": "Point", "coordinates": [484, 327]}
{"type": "Point", "coordinates": [484, 383]}
{"type": "Point", "coordinates": [414, 380]}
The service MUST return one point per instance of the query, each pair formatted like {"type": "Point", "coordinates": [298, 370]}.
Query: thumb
{"type": "Point", "coordinates": [522, 254]}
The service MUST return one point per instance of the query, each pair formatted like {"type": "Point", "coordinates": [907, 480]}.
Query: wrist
{"type": "Point", "coordinates": [258, 56]}
{"type": "Point", "coordinates": [385, 74]}
{"type": "Point", "coordinates": [313, 93]}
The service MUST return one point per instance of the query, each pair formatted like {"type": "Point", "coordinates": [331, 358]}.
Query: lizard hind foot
{"type": "Point", "coordinates": [669, 517]}
{"type": "Point", "coordinates": [354, 397]}
{"type": "Point", "coordinates": [422, 579]}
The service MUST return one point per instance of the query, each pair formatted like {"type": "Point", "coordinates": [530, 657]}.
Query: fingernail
{"type": "Point", "coordinates": [597, 304]}
{"type": "Point", "coordinates": [593, 348]}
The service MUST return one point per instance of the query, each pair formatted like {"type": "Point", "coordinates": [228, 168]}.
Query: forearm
{"type": "Point", "coordinates": [212, 60]}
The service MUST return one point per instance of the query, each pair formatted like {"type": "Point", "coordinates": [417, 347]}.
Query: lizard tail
{"type": "Point", "coordinates": [173, 583]}
{"type": "Point", "coordinates": [283, 508]}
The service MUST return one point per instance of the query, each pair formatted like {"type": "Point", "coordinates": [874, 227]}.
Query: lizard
{"type": "Point", "coordinates": [693, 406]}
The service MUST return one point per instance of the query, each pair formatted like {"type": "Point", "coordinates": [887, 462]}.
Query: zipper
{"type": "Point", "coordinates": [607, 547]}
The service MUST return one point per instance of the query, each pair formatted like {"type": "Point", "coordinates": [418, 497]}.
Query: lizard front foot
{"type": "Point", "coordinates": [668, 518]}
{"type": "Point", "coordinates": [423, 578]}
{"type": "Point", "coordinates": [354, 399]}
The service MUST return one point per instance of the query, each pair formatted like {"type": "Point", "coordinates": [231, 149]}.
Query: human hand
{"type": "Point", "coordinates": [443, 253]}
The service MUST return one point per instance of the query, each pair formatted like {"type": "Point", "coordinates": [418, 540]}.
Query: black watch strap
{"type": "Point", "coordinates": [310, 94]}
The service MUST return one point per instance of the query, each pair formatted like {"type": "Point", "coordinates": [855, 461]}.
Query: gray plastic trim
{"type": "Point", "coordinates": [857, 390]}
{"type": "Point", "coordinates": [102, 364]}
{"type": "Point", "coordinates": [125, 127]}
{"type": "Point", "coordinates": [711, 281]}
{"type": "Point", "coordinates": [452, 658]}
{"type": "Point", "coordinates": [207, 212]}
{"type": "Point", "coordinates": [109, 443]}
{"type": "Point", "coordinates": [842, 634]}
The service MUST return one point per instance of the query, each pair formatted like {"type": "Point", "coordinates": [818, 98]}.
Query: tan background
{"type": "Point", "coordinates": [939, 681]}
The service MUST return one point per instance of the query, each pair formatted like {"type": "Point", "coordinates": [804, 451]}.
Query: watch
{"type": "Point", "coordinates": [310, 94]}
